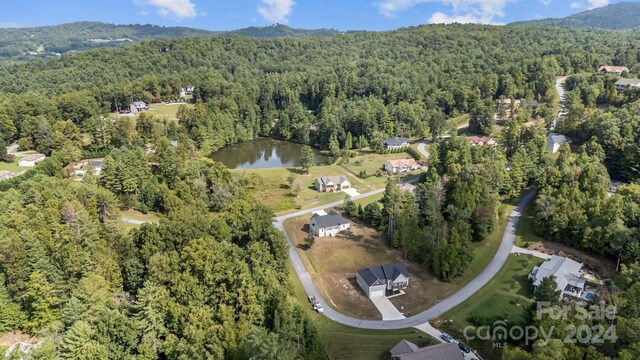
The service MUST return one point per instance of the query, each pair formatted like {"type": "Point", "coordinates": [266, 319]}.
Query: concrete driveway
{"type": "Point", "coordinates": [386, 308]}
{"type": "Point", "coordinates": [351, 192]}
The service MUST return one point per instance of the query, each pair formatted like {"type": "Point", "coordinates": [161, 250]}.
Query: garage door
{"type": "Point", "coordinates": [377, 291]}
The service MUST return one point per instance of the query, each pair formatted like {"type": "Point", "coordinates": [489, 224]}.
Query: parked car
{"type": "Point", "coordinates": [446, 337]}
{"type": "Point", "coordinates": [311, 298]}
{"type": "Point", "coordinates": [464, 347]}
{"type": "Point", "coordinates": [319, 308]}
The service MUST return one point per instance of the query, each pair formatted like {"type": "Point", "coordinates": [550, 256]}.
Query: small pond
{"type": "Point", "coordinates": [263, 153]}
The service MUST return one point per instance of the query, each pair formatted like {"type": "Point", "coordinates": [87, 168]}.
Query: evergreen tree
{"type": "Point", "coordinates": [306, 158]}
{"type": "Point", "coordinates": [547, 290]}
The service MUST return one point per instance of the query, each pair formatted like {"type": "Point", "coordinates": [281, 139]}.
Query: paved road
{"type": "Point", "coordinates": [422, 144]}
{"type": "Point", "coordinates": [447, 304]}
{"type": "Point", "coordinates": [560, 89]}
{"type": "Point", "coordinates": [562, 96]}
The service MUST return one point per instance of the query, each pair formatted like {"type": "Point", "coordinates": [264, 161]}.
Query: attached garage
{"type": "Point", "coordinates": [371, 285]}
{"type": "Point", "coordinates": [377, 291]}
{"type": "Point", "coordinates": [375, 281]}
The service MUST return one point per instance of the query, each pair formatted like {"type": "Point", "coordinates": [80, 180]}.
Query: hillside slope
{"type": "Point", "coordinates": [620, 16]}
{"type": "Point", "coordinates": [48, 41]}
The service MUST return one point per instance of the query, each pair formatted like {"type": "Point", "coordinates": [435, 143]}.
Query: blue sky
{"type": "Point", "coordinates": [338, 14]}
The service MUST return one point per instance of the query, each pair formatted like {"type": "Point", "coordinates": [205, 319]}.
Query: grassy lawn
{"type": "Point", "coordinates": [371, 162]}
{"type": "Point", "coordinates": [485, 251]}
{"type": "Point", "coordinates": [457, 121]}
{"type": "Point", "coordinates": [525, 235]}
{"type": "Point", "coordinates": [168, 111]}
{"type": "Point", "coordinates": [345, 342]}
{"type": "Point", "coordinates": [507, 297]}
{"type": "Point", "coordinates": [136, 215]}
{"type": "Point", "coordinates": [271, 187]}
{"type": "Point", "coordinates": [162, 110]}
{"type": "Point", "coordinates": [13, 166]}
{"type": "Point", "coordinates": [333, 262]}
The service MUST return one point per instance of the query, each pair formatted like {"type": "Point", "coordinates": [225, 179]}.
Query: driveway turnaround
{"type": "Point", "coordinates": [508, 239]}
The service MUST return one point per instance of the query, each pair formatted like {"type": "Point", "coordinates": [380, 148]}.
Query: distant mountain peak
{"type": "Point", "coordinates": [619, 16]}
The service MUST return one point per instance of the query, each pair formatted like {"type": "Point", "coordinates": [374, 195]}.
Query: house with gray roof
{"type": "Point", "coordinates": [332, 183]}
{"type": "Point", "coordinates": [137, 106]}
{"type": "Point", "coordinates": [406, 350]}
{"type": "Point", "coordinates": [395, 143]}
{"type": "Point", "coordinates": [30, 160]}
{"type": "Point", "coordinates": [554, 141]}
{"type": "Point", "coordinates": [568, 274]}
{"type": "Point", "coordinates": [328, 224]}
{"type": "Point", "coordinates": [625, 83]}
{"type": "Point", "coordinates": [376, 281]}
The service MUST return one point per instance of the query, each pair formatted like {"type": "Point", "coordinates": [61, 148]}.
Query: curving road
{"type": "Point", "coordinates": [508, 239]}
{"type": "Point", "coordinates": [422, 144]}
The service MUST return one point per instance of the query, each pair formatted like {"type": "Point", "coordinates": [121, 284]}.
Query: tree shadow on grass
{"type": "Point", "coordinates": [350, 236]}
{"type": "Point", "coordinates": [298, 171]}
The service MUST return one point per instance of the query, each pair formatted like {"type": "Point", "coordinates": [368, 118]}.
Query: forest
{"type": "Point", "coordinates": [29, 43]}
{"type": "Point", "coordinates": [211, 279]}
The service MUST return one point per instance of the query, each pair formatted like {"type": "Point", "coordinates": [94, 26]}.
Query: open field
{"type": "Point", "coordinates": [137, 215]}
{"type": "Point", "coordinates": [371, 162]}
{"type": "Point", "coordinates": [458, 121]}
{"type": "Point", "coordinates": [162, 110]}
{"type": "Point", "coordinates": [334, 261]}
{"type": "Point", "coordinates": [507, 297]}
{"type": "Point", "coordinates": [168, 111]}
{"type": "Point", "coordinates": [348, 343]}
{"type": "Point", "coordinates": [271, 187]}
{"type": "Point", "coordinates": [13, 166]}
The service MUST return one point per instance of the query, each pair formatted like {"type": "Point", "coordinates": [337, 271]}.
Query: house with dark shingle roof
{"type": "Point", "coordinates": [328, 225]}
{"type": "Point", "coordinates": [395, 143]}
{"type": "Point", "coordinates": [406, 350]}
{"type": "Point", "coordinates": [375, 281]}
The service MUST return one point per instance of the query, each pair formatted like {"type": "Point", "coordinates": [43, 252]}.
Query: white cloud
{"type": "Point", "coordinates": [276, 11]}
{"type": "Point", "coordinates": [480, 11]}
{"type": "Point", "coordinates": [590, 4]}
{"type": "Point", "coordinates": [545, 2]}
{"type": "Point", "coordinates": [597, 3]}
{"type": "Point", "coordinates": [179, 9]}
{"type": "Point", "coordinates": [441, 18]}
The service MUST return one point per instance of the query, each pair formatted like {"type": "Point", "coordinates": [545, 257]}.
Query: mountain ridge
{"type": "Point", "coordinates": [49, 41]}
{"type": "Point", "coordinates": [618, 16]}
